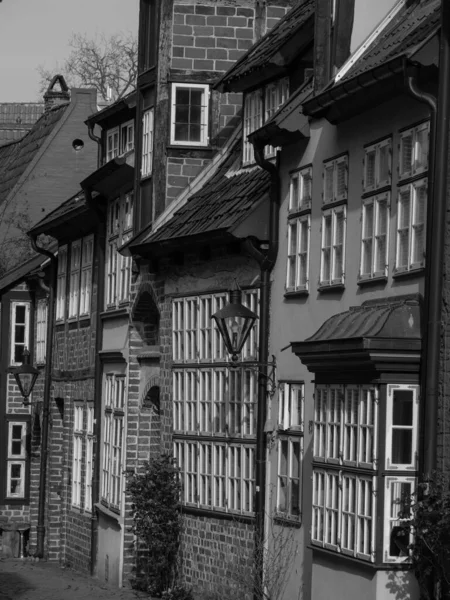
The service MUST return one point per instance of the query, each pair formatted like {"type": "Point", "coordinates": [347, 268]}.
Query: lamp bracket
{"type": "Point", "coordinates": [271, 376]}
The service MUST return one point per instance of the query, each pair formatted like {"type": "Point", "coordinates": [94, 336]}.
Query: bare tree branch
{"type": "Point", "coordinates": [107, 63]}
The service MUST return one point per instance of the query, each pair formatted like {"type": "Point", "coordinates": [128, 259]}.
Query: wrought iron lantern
{"type": "Point", "coordinates": [235, 322]}
{"type": "Point", "coordinates": [25, 376]}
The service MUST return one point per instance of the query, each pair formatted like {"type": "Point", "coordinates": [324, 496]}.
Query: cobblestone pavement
{"type": "Point", "coordinates": [27, 580]}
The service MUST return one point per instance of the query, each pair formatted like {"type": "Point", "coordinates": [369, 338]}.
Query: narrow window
{"type": "Point", "coordinates": [41, 330]}
{"type": "Point", "coordinates": [298, 253]}
{"type": "Point", "coordinates": [16, 460]}
{"type": "Point", "coordinates": [397, 533]}
{"type": "Point", "coordinates": [112, 143]}
{"type": "Point", "coordinates": [61, 284]}
{"type": "Point", "coordinates": [414, 147]}
{"type": "Point", "coordinates": [74, 288]}
{"type": "Point", "coordinates": [335, 180]}
{"type": "Point", "coordinates": [20, 330]}
{"type": "Point", "coordinates": [77, 459]}
{"type": "Point", "coordinates": [253, 119]}
{"type": "Point", "coordinates": [289, 477]}
{"type": "Point", "coordinates": [190, 106]}
{"type": "Point", "coordinates": [411, 223]}
{"type": "Point", "coordinates": [147, 142]}
{"type": "Point", "coordinates": [377, 166]}
{"type": "Point", "coordinates": [375, 235]}
{"type": "Point", "coordinates": [126, 137]}
{"type": "Point", "coordinates": [86, 275]}
{"type": "Point", "coordinates": [89, 457]}
{"type": "Point", "coordinates": [333, 246]}
{"type": "Point", "coordinates": [402, 427]}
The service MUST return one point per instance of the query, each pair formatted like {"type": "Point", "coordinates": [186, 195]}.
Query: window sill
{"type": "Point", "coordinates": [411, 178]}
{"type": "Point", "coordinates": [288, 520]}
{"type": "Point", "coordinates": [376, 191]}
{"type": "Point", "coordinates": [333, 203]}
{"type": "Point", "coordinates": [337, 556]}
{"type": "Point", "coordinates": [295, 430]}
{"type": "Point", "coordinates": [114, 312]}
{"type": "Point", "coordinates": [329, 288]}
{"type": "Point", "coordinates": [296, 293]}
{"type": "Point", "coordinates": [146, 177]}
{"type": "Point", "coordinates": [367, 279]}
{"type": "Point", "coordinates": [217, 514]}
{"type": "Point", "coordinates": [409, 273]}
{"type": "Point", "coordinates": [298, 212]}
{"type": "Point", "coordinates": [110, 513]}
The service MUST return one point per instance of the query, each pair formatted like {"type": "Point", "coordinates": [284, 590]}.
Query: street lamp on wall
{"type": "Point", "coordinates": [25, 376]}
{"type": "Point", "coordinates": [235, 321]}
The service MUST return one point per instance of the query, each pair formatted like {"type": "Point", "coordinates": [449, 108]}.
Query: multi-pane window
{"type": "Point", "coordinates": [147, 142]}
{"type": "Point", "coordinates": [290, 454]}
{"type": "Point", "coordinates": [118, 267]}
{"type": "Point", "coordinates": [297, 277]}
{"type": "Point", "coordinates": [259, 107]}
{"type": "Point", "coordinates": [253, 119]}
{"type": "Point", "coordinates": [41, 330]}
{"type": "Point", "coordinates": [190, 119]}
{"type": "Point", "coordinates": [414, 145]}
{"type": "Point", "coordinates": [377, 165]}
{"type": "Point", "coordinates": [402, 427]}
{"type": "Point", "coordinates": [291, 406]}
{"type": "Point", "coordinates": [335, 180]}
{"type": "Point", "coordinates": [119, 140]}
{"type": "Point", "coordinates": [80, 284]}
{"type": "Point", "coordinates": [300, 190]}
{"type": "Point", "coordinates": [215, 403]}
{"type": "Point", "coordinates": [345, 426]}
{"type": "Point", "coordinates": [397, 532]}
{"type": "Point", "coordinates": [77, 458]}
{"type": "Point", "coordinates": [61, 284]}
{"type": "Point", "coordinates": [113, 439]}
{"type": "Point", "coordinates": [89, 457]}
{"type": "Point", "coordinates": [20, 330]}
{"type": "Point", "coordinates": [411, 222]}
{"type": "Point", "coordinates": [375, 236]}
{"type": "Point", "coordinates": [275, 95]}
{"type": "Point", "coordinates": [127, 137]}
{"type": "Point", "coordinates": [332, 264]}
{"type": "Point", "coordinates": [16, 467]}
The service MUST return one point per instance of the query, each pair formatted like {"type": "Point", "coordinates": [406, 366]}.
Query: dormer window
{"type": "Point", "coordinates": [190, 118]}
{"type": "Point", "coordinates": [119, 140]}
{"type": "Point", "coordinates": [259, 107]}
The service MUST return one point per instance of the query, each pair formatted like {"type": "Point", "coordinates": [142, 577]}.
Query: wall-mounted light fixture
{"type": "Point", "coordinates": [25, 376]}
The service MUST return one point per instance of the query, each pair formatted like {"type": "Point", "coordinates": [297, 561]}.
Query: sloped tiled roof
{"type": "Point", "coordinates": [15, 157]}
{"type": "Point", "coordinates": [261, 54]}
{"type": "Point", "coordinates": [223, 203]}
{"type": "Point", "coordinates": [410, 27]}
{"type": "Point", "coordinates": [78, 201]}
{"type": "Point", "coordinates": [32, 264]}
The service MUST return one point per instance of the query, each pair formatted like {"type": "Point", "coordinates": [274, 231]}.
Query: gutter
{"type": "Point", "coordinates": [40, 529]}
{"type": "Point", "coordinates": [266, 262]}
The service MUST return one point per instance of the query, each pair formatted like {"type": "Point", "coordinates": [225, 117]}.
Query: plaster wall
{"type": "Point", "coordinates": [295, 318]}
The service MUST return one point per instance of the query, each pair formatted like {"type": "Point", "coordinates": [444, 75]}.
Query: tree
{"type": "Point", "coordinates": [108, 64]}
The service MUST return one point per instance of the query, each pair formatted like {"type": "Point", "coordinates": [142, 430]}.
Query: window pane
{"type": "Point", "coordinates": [20, 315]}
{"type": "Point", "coordinates": [402, 413]}
{"type": "Point", "coordinates": [402, 446]}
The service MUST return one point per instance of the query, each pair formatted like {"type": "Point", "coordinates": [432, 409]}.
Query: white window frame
{"type": "Point", "coordinates": [87, 257]}
{"type": "Point", "coordinates": [61, 284]}
{"type": "Point", "coordinates": [77, 453]}
{"type": "Point", "coordinates": [376, 151]}
{"type": "Point", "coordinates": [331, 528]}
{"type": "Point", "coordinates": [113, 437]}
{"type": "Point", "coordinates": [26, 325]}
{"type": "Point", "coordinates": [112, 143]}
{"type": "Point", "coordinates": [287, 478]}
{"type": "Point", "coordinates": [291, 405]}
{"type": "Point", "coordinates": [391, 510]}
{"type": "Point", "coordinates": [413, 225]}
{"type": "Point", "coordinates": [297, 273]}
{"type": "Point", "coordinates": [253, 120]}
{"type": "Point", "coordinates": [127, 132]}
{"type": "Point", "coordinates": [74, 283]}
{"type": "Point", "coordinates": [300, 190]}
{"type": "Point", "coordinates": [17, 459]}
{"type": "Point", "coordinates": [148, 123]}
{"type": "Point", "coordinates": [372, 240]}
{"type": "Point", "coordinates": [41, 330]}
{"type": "Point", "coordinates": [414, 166]}
{"type": "Point", "coordinates": [89, 457]}
{"type": "Point", "coordinates": [391, 427]}
{"type": "Point", "coordinates": [332, 169]}
{"type": "Point", "coordinates": [331, 249]}
{"type": "Point", "coordinates": [204, 115]}
{"type": "Point", "coordinates": [118, 267]}
{"type": "Point", "coordinates": [275, 95]}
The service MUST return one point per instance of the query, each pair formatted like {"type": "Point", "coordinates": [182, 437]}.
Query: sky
{"type": "Point", "coordinates": [37, 32]}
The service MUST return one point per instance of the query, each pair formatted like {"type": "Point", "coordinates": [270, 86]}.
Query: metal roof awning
{"type": "Point", "coordinates": [383, 335]}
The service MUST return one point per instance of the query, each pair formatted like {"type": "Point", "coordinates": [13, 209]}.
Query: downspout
{"type": "Point", "coordinates": [433, 279]}
{"type": "Point", "coordinates": [100, 251]}
{"type": "Point", "coordinates": [40, 529]}
{"type": "Point", "coordinates": [266, 262]}
{"type": "Point", "coordinates": [98, 140]}
{"type": "Point", "coordinates": [436, 229]}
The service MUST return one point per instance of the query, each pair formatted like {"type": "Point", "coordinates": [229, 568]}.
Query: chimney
{"type": "Point", "coordinates": [57, 93]}
{"type": "Point", "coordinates": [332, 38]}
